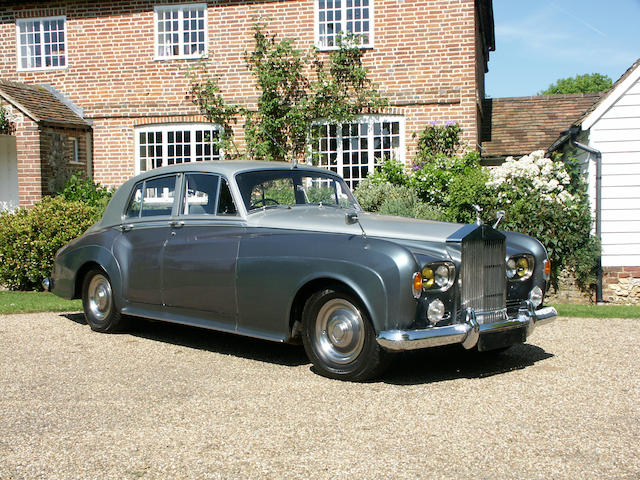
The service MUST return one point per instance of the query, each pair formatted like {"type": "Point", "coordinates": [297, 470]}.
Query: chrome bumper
{"type": "Point", "coordinates": [466, 333]}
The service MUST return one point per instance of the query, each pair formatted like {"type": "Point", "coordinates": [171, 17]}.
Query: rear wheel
{"type": "Point", "coordinates": [98, 303]}
{"type": "Point", "coordinates": [338, 337]}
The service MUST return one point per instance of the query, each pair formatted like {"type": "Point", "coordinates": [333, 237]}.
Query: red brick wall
{"type": "Point", "coordinates": [27, 135]}
{"type": "Point", "coordinates": [424, 60]}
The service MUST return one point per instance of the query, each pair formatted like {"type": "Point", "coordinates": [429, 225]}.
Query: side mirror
{"type": "Point", "coordinates": [500, 214]}
{"type": "Point", "coordinates": [350, 218]}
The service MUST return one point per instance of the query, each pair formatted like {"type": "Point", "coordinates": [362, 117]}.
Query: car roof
{"type": "Point", "coordinates": [228, 168]}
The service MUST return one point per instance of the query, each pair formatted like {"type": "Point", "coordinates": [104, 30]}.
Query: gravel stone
{"type": "Point", "coordinates": [168, 401]}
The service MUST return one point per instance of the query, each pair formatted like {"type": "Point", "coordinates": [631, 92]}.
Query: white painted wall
{"type": "Point", "coordinates": [616, 133]}
{"type": "Point", "coordinates": [9, 199]}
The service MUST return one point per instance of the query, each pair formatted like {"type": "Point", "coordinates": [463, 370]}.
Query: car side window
{"type": "Point", "coordinates": [225, 202]}
{"type": "Point", "coordinates": [153, 197]}
{"type": "Point", "coordinates": [135, 203]}
{"type": "Point", "coordinates": [200, 194]}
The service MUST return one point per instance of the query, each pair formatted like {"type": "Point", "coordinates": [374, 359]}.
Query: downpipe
{"type": "Point", "coordinates": [597, 158]}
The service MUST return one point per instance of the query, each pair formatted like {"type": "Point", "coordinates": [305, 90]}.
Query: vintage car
{"type": "Point", "coordinates": [284, 252]}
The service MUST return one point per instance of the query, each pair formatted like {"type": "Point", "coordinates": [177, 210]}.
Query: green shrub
{"type": "Point", "coordinates": [81, 189]}
{"type": "Point", "coordinates": [437, 140]}
{"type": "Point", "coordinates": [391, 199]}
{"type": "Point", "coordinates": [29, 239]}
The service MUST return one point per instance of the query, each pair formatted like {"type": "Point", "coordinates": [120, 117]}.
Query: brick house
{"type": "Point", "coordinates": [118, 69]}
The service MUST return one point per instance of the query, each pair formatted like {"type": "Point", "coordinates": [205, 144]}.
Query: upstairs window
{"type": "Point", "coordinates": [181, 31]}
{"type": "Point", "coordinates": [344, 17]}
{"type": "Point", "coordinates": [355, 149]}
{"type": "Point", "coordinates": [162, 145]}
{"type": "Point", "coordinates": [41, 43]}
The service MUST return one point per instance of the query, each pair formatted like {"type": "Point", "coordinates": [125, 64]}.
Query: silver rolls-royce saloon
{"type": "Point", "coordinates": [284, 252]}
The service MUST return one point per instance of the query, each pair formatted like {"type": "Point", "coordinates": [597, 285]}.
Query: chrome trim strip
{"type": "Point", "coordinates": [466, 333]}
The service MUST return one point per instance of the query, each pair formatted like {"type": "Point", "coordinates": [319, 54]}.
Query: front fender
{"type": "Point", "coordinates": [274, 266]}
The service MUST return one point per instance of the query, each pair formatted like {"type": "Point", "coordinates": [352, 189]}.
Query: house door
{"type": "Point", "coordinates": [8, 173]}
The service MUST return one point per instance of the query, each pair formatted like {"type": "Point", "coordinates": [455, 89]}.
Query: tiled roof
{"type": "Point", "coordinates": [520, 125]}
{"type": "Point", "coordinates": [40, 104]}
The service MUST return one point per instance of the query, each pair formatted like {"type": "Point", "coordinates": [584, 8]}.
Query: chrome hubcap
{"type": "Point", "coordinates": [100, 297]}
{"type": "Point", "coordinates": [339, 331]}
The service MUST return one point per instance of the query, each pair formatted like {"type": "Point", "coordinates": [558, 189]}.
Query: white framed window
{"type": "Point", "coordinates": [170, 144]}
{"type": "Point", "coordinates": [75, 151]}
{"type": "Point", "coordinates": [355, 149]}
{"type": "Point", "coordinates": [41, 43]}
{"type": "Point", "coordinates": [343, 17]}
{"type": "Point", "coordinates": [181, 31]}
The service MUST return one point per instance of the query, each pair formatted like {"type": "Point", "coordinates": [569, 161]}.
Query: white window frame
{"type": "Point", "coordinates": [371, 120]}
{"type": "Point", "coordinates": [164, 129]}
{"type": "Point", "coordinates": [180, 9]}
{"type": "Point", "coordinates": [41, 20]}
{"type": "Point", "coordinates": [75, 151]}
{"type": "Point", "coordinates": [343, 9]}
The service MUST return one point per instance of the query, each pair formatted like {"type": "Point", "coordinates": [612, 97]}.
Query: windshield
{"type": "Point", "coordinates": [269, 188]}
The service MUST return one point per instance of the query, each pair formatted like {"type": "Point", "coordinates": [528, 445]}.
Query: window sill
{"type": "Point", "coordinates": [41, 69]}
{"type": "Point", "coordinates": [180, 57]}
{"type": "Point", "coordinates": [334, 48]}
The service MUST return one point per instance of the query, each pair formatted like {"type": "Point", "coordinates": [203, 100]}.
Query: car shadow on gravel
{"type": "Point", "coordinates": [453, 362]}
{"type": "Point", "coordinates": [408, 368]}
{"type": "Point", "coordinates": [218, 342]}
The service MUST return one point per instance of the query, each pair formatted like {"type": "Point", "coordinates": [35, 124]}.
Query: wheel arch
{"type": "Point", "coordinates": [314, 285]}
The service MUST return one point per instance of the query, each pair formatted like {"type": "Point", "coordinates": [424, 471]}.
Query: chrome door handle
{"type": "Point", "coordinates": [126, 227]}
{"type": "Point", "coordinates": [176, 223]}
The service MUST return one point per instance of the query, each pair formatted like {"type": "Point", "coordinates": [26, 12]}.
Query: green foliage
{"type": "Point", "coordinates": [438, 140]}
{"type": "Point", "coordinates": [5, 124]}
{"type": "Point", "coordinates": [594, 82]}
{"type": "Point", "coordinates": [452, 183]}
{"type": "Point", "coordinates": [295, 89]}
{"type": "Point", "coordinates": [392, 199]}
{"type": "Point", "coordinates": [81, 189]}
{"type": "Point", "coordinates": [206, 94]}
{"type": "Point", "coordinates": [29, 239]}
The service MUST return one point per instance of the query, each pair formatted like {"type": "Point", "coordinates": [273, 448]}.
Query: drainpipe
{"type": "Point", "coordinates": [597, 158]}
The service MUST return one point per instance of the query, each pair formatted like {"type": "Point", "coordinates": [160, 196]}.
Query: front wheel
{"type": "Point", "coordinates": [97, 300]}
{"type": "Point", "coordinates": [338, 337]}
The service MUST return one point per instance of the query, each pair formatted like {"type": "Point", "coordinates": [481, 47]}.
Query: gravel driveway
{"type": "Point", "coordinates": [165, 401]}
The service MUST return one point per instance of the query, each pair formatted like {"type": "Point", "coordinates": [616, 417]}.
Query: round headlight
{"type": "Point", "coordinates": [435, 312]}
{"type": "Point", "coordinates": [428, 277]}
{"type": "Point", "coordinates": [442, 276]}
{"type": "Point", "coordinates": [522, 267]}
{"type": "Point", "coordinates": [511, 268]}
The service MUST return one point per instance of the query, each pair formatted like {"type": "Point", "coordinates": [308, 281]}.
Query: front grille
{"type": "Point", "coordinates": [483, 274]}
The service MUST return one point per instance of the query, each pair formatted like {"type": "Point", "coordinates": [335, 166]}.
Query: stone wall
{"type": "Point", "coordinates": [621, 285]}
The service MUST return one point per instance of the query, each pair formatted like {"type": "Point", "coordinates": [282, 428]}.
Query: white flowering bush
{"type": "Point", "coordinates": [547, 177]}
{"type": "Point", "coordinates": [546, 198]}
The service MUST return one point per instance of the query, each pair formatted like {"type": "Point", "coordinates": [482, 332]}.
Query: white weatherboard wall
{"type": "Point", "coordinates": [614, 129]}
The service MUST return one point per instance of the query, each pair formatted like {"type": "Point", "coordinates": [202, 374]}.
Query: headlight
{"type": "Point", "coordinates": [438, 276]}
{"type": "Point", "coordinates": [520, 267]}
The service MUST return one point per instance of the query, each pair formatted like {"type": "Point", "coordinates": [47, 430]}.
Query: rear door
{"type": "Point", "coordinates": [200, 256]}
{"type": "Point", "coordinates": [145, 228]}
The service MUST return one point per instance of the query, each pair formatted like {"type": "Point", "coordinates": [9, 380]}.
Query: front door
{"type": "Point", "coordinates": [199, 259]}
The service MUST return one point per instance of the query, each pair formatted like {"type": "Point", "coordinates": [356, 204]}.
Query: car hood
{"type": "Point", "coordinates": [332, 220]}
